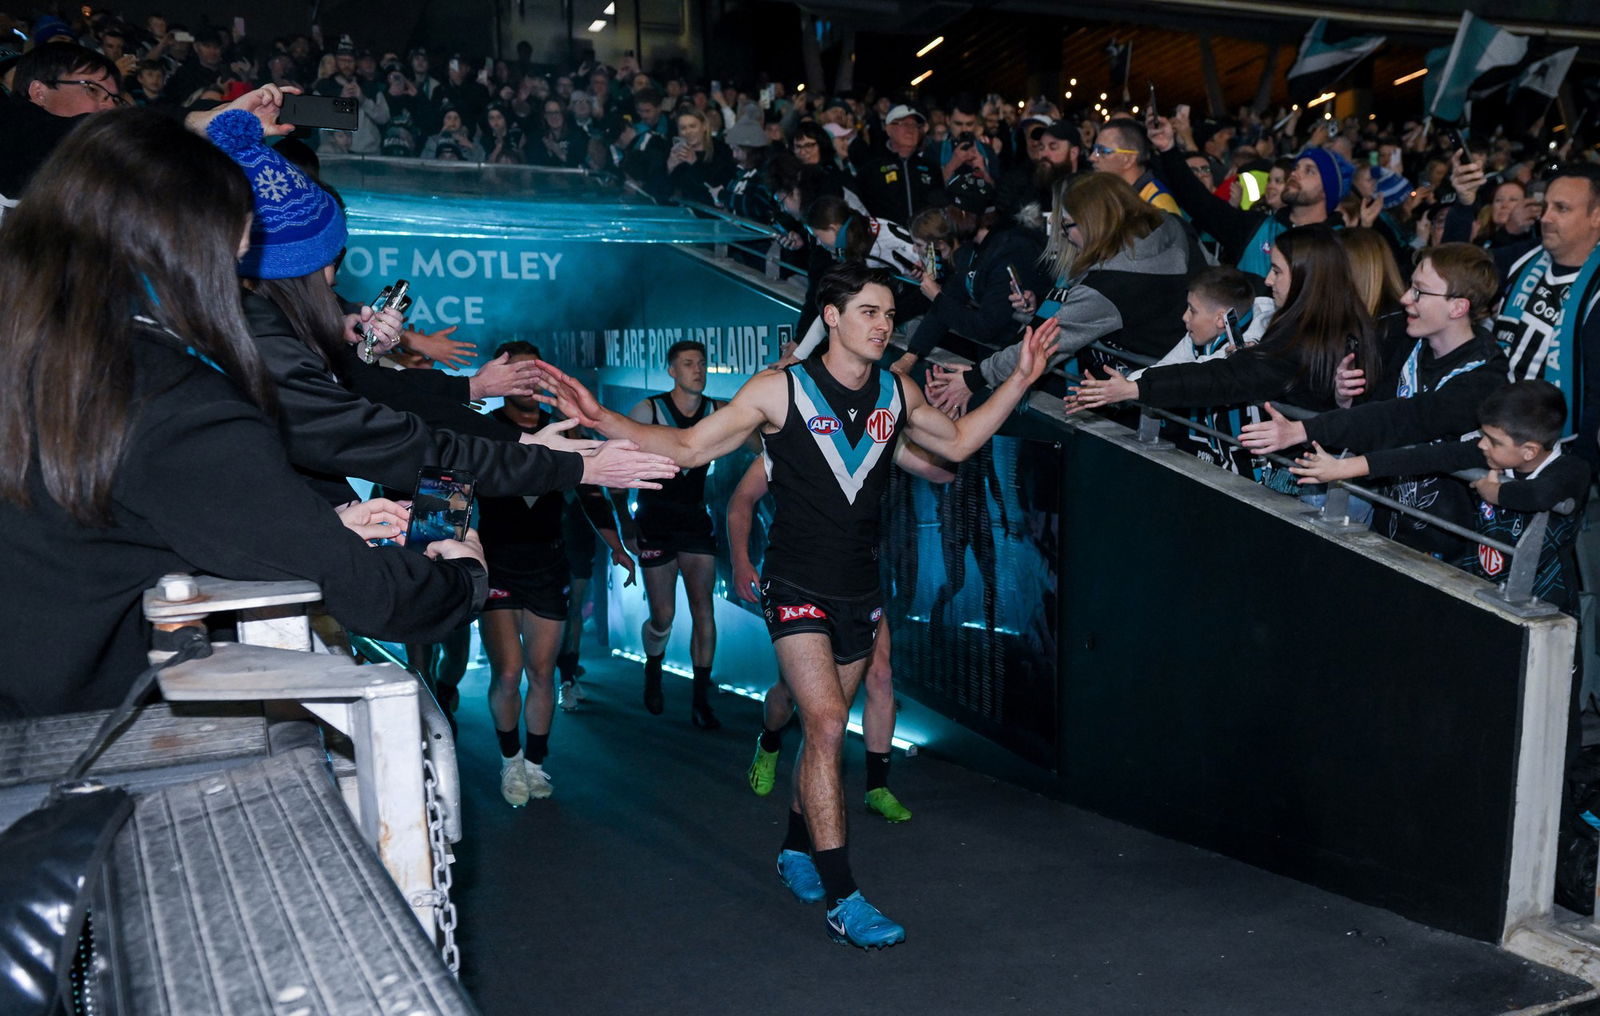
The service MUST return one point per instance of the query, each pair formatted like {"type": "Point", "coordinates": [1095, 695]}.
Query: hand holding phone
{"type": "Point", "coordinates": [441, 508]}
{"type": "Point", "coordinates": [1016, 287]}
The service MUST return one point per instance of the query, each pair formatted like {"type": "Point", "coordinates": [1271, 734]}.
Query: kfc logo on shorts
{"type": "Point", "coordinates": [877, 614]}
{"type": "Point", "coordinates": [649, 555]}
{"type": "Point", "coordinates": [1491, 561]}
{"type": "Point", "coordinates": [808, 610]}
{"type": "Point", "coordinates": [823, 424]}
{"type": "Point", "coordinates": [880, 425]}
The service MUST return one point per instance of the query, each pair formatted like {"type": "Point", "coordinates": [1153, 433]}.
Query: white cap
{"type": "Point", "coordinates": [900, 112]}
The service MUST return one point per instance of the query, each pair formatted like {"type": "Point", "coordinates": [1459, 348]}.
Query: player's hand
{"type": "Point", "coordinates": [554, 436]}
{"type": "Point", "coordinates": [569, 396]}
{"type": "Point", "coordinates": [622, 464]}
{"type": "Point", "coordinates": [1272, 434]}
{"type": "Point", "coordinates": [746, 581]}
{"type": "Point", "coordinates": [1038, 345]}
{"type": "Point", "coordinates": [621, 559]}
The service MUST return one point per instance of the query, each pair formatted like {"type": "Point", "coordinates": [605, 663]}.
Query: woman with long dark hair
{"type": "Point", "coordinates": [136, 430]}
{"type": "Point", "coordinates": [1317, 341]}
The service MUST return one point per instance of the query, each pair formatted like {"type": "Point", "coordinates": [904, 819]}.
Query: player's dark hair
{"type": "Point", "coordinates": [1527, 411]}
{"type": "Point", "coordinates": [516, 347]}
{"type": "Point", "coordinates": [686, 346]}
{"type": "Point", "coordinates": [840, 284]}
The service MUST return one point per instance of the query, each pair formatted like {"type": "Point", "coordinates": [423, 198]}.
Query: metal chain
{"type": "Point", "coordinates": [444, 912]}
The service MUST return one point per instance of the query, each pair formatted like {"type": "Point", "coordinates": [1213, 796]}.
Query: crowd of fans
{"type": "Point", "coordinates": [1389, 276]}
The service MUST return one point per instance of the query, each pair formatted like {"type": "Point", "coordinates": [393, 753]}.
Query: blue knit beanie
{"type": "Point", "coordinates": [1392, 187]}
{"type": "Point", "coordinates": [298, 227]}
{"type": "Point", "coordinates": [1336, 171]}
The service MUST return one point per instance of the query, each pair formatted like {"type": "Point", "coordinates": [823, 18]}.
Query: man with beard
{"type": "Point", "coordinates": [1047, 155]}
{"type": "Point", "coordinates": [1320, 180]}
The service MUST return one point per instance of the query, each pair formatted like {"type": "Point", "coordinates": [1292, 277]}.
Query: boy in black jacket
{"type": "Point", "coordinates": [1519, 424]}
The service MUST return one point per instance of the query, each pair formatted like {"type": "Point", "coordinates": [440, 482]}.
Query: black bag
{"type": "Point", "coordinates": [1578, 842]}
{"type": "Point", "coordinates": [50, 862]}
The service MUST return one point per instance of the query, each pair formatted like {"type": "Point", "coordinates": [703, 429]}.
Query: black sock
{"type": "Point", "coordinates": [771, 740]}
{"type": "Point", "coordinates": [834, 867]}
{"type": "Point", "coordinates": [537, 747]}
{"type": "Point", "coordinates": [652, 665]}
{"type": "Point", "coordinates": [508, 741]}
{"type": "Point", "coordinates": [567, 663]}
{"type": "Point", "coordinates": [877, 770]}
{"type": "Point", "coordinates": [798, 837]}
{"type": "Point", "coordinates": [702, 685]}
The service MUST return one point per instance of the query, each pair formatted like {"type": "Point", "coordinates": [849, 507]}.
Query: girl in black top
{"type": "Point", "coordinates": [138, 430]}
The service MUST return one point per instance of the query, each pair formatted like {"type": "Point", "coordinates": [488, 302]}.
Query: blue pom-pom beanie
{"type": "Point", "coordinates": [1337, 173]}
{"type": "Point", "coordinates": [298, 227]}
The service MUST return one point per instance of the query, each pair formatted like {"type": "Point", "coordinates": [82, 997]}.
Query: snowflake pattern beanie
{"type": "Point", "coordinates": [298, 227]}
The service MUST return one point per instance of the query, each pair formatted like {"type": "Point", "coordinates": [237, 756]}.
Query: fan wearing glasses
{"type": "Point", "coordinates": [59, 83]}
{"type": "Point", "coordinates": [1431, 390]}
{"type": "Point", "coordinates": [1123, 148]}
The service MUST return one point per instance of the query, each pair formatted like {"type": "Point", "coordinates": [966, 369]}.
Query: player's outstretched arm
{"type": "Point", "coordinates": [955, 440]}
{"type": "Point", "coordinates": [761, 400]}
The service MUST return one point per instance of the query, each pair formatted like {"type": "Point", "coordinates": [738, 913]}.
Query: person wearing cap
{"type": "Point", "coordinates": [896, 180]}
{"type": "Point", "coordinates": [976, 303]}
{"type": "Point", "coordinates": [56, 87]}
{"type": "Point", "coordinates": [746, 195]}
{"type": "Point", "coordinates": [296, 237]}
{"type": "Point", "coordinates": [1028, 181]}
{"type": "Point", "coordinates": [454, 140]}
{"type": "Point", "coordinates": [462, 90]}
{"type": "Point", "coordinates": [1123, 148]}
{"type": "Point", "coordinates": [203, 68]}
{"type": "Point", "coordinates": [1320, 180]}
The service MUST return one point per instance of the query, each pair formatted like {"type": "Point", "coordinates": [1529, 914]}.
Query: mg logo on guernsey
{"type": "Point", "coordinates": [805, 610]}
{"type": "Point", "coordinates": [1492, 561]}
{"type": "Point", "coordinates": [823, 424]}
{"type": "Point", "coordinates": [880, 425]}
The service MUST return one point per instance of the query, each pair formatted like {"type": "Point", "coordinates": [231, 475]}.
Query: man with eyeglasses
{"type": "Point", "coordinates": [1123, 148]}
{"type": "Point", "coordinates": [1430, 391]}
{"type": "Point", "coordinates": [55, 86]}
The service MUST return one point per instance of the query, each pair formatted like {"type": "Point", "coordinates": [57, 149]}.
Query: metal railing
{"type": "Point", "coordinates": [1514, 594]}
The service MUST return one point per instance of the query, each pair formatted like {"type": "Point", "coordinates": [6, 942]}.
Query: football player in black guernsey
{"type": "Point", "coordinates": [675, 537]}
{"type": "Point", "coordinates": [831, 425]}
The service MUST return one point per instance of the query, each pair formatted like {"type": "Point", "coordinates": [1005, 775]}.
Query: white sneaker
{"type": "Point", "coordinates": [538, 780]}
{"type": "Point", "coordinates": [570, 696]}
{"type": "Point", "coordinates": [514, 781]}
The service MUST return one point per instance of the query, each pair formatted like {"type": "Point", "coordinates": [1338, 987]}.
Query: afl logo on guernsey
{"type": "Point", "coordinates": [880, 425]}
{"type": "Point", "coordinates": [823, 425]}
